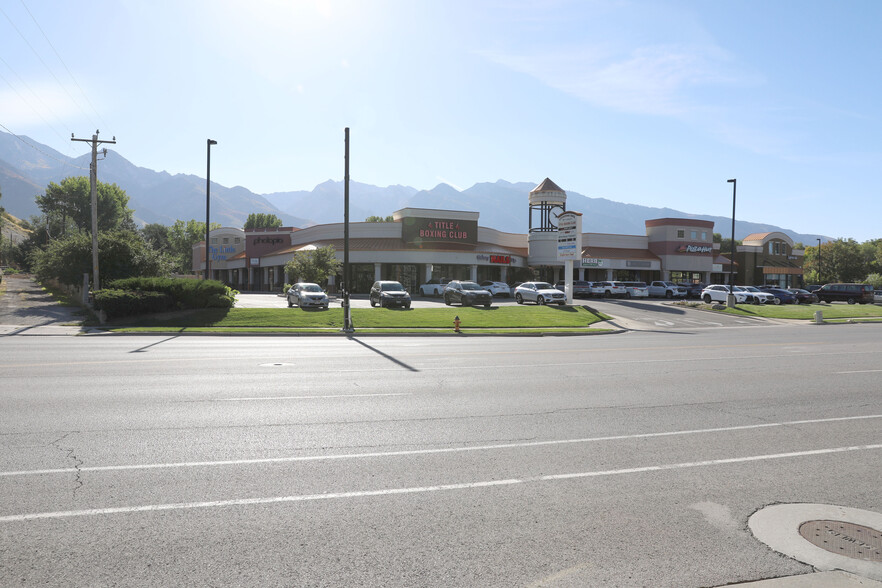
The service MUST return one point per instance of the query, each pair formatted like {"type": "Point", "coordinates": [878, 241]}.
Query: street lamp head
{"type": "Point", "coordinates": [732, 181]}
{"type": "Point", "coordinates": [212, 142]}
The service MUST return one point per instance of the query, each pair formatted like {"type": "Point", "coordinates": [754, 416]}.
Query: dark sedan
{"type": "Point", "coordinates": [803, 296]}
{"type": "Point", "coordinates": [781, 294]}
{"type": "Point", "coordinates": [467, 294]}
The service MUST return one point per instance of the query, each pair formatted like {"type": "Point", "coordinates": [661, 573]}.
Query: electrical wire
{"type": "Point", "coordinates": [34, 147]}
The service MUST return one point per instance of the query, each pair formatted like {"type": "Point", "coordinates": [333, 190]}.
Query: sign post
{"type": "Point", "coordinates": [569, 246]}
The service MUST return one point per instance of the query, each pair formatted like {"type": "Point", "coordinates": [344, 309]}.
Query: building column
{"type": "Point", "coordinates": [503, 274]}
{"type": "Point", "coordinates": [609, 275]}
{"type": "Point", "coordinates": [428, 272]}
{"type": "Point", "coordinates": [378, 272]}
{"type": "Point", "coordinates": [265, 282]}
{"type": "Point", "coordinates": [581, 274]}
{"type": "Point", "coordinates": [473, 273]}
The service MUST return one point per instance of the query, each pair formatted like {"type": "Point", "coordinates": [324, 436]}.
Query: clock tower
{"type": "Point", "coordinates": [547, 201]}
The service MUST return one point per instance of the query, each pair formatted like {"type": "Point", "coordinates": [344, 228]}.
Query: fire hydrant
{"type": "Point", "coordinates": [456, 325]}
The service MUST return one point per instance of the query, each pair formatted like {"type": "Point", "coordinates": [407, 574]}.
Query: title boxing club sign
{"type": "Point", "coordinates": [420, 232]}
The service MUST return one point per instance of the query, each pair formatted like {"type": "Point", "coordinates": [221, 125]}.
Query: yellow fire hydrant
{"type": "Point", "coordinates": [456, 325]}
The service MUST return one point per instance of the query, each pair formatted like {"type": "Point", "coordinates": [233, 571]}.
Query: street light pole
{"type": "Point", "coordinates": [209, 143]}
{"type": "Point", "coordinates": [820, 281]}
{"type": "Point", "coordinates": [730, 299]}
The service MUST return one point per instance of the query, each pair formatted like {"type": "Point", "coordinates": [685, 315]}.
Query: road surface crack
{"type": "Point", "coordinates": [70, 455]}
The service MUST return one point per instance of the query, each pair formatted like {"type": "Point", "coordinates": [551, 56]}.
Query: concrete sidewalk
{"type": "Point", "coordinates": [44, 330]}
{"type": "Point", "coordinates": [835, 579]}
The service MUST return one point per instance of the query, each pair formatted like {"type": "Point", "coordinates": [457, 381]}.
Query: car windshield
{"type": "Point", "coordinates": [750, 288]}
{"type": "Point", "coordinates": [471, 286]}
{"type": "Point", "coordinates": [543, 286]}
{"type": "Point", "coordinates": [391, 287]}
{"type": "Point", "coordinates": [311, 288]}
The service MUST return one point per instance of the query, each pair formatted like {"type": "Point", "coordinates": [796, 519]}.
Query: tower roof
{"type": "Point", "coordinates": [547, 186]}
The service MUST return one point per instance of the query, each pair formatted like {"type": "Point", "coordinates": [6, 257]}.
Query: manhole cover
{"type": "Point", "coordinates": [843, 538]}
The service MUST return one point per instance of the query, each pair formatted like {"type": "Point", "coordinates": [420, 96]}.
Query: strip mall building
{"type": "Point", "coordinates": [423, 244]}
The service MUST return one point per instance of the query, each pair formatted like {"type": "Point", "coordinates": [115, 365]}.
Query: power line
{"type": "Point", "coordinates": [70, 73]}
{"type": "Point", "coordinates": [34, 51]}
{"type": "Point", "coordinates": [35, 148]}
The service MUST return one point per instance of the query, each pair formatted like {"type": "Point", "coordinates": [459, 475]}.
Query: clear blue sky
{"type": "Point", "coordinates": [655, 103]}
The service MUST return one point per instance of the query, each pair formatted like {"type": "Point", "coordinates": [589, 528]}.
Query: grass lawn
{"type": "Point", "coordinates": [256, 319]}
{"type": "Point", "coordinates": [804, 311]}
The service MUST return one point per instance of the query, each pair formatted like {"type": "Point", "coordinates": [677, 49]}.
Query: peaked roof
{"type": "Point", "coordinates": [547, 186]}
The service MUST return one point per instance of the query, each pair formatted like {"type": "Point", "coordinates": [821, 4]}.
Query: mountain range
{"type": "Point", "coordinates": [27, 167]}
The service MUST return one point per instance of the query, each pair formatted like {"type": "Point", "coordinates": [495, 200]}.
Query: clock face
{"type": "Point", "coordinates": [554, 212]}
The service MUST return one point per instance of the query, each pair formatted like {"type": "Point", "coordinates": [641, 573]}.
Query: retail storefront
{"type": "Point", "coordinates": [422, 244]}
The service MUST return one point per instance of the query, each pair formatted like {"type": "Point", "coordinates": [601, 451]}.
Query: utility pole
{"type": "Point", "coordinates": [93, 182]}
{"type": "Point", "coordinates": [347, 310]}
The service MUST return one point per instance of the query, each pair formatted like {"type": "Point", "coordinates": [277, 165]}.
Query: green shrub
{"type": "Point", "coordinates": [119, 303]}
{"type": "Point", "coordinates": [185, 293]}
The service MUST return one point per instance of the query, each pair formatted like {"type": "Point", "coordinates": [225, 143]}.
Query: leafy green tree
{"type": "Point", "coordinates": [875, 280]}
{"type": "Point", "coordinates": [121, 254]}
{"type": "Point", "coordinates": [314, 265]}
{"type": "Point", "coordinates": [182, 236]}
{"type": "Point", "coordinates": [379, 219]}
{"type": "Point", "coordinates": [68, 206]}
{"type": "Point", "coordinates": [262, 220]}
{"type": "Point", "coordinates": [842, 261]}
{"type": "Point", "coordinates": [156, 235]}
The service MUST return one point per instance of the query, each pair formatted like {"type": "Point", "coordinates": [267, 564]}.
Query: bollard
{"type": "Point", "coordinates": [819, 317]}
{"type": "Point", "coordinates": [456, 325]}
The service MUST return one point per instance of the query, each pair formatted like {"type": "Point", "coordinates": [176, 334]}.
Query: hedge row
{"type": "Point", "coordinates": [119, 303]}
{"type": "Point", "coordinates": [145, 295]}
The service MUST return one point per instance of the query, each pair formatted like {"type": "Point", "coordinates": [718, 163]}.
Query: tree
{"type": "Point", "coordinates": [68, 206]}
{"type": "Point", "coordinates": [261, 220]}
{"type": "Point", "coordinates": [842, 261]}
{"type": "Point", "coordinates": [156, 235]}
{"type": "Point", "coordinates": [379, 219]}
{"type": "Point", "coordinates": [314, 265]}
{"type": "Point", "coordinates": [121, 254]}
{"type": "Point", "coordinates": [181, 238]}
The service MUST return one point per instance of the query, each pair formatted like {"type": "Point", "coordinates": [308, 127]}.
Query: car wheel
{"type": "Point", "coordinates": [290, 304]}
{"type": "Point", "coordinates": [519, 299]}
{"type": "Point", "coordinates": [669, 294]}
{"type": "Point", "coordinates": [540, 301]}
{"type": "Point", "coordinates": [796, 301]}
{"type": "Point", "coordinates": [487, 305]}
{"type": "Point", "coordinates": [447, 300]}
{"type": "Point", "coordinates": [777, 300]}
{"type": "Point", "coordinates": [326, 307]}
{"type": "Point", "coordinates": [628, 296]}
{"type": "Point", "coordinates": [561, 303]}
{"type": "Point", "coordinates": [407, 306]}
{"type": "Point", "coordinates": [756, 300]}
{"type": "Point", "coordinates": [707, 299]}
{"type": "Point", "coordinates": [607, 294]}
{"type": "Point", "coordinates": [373, 302]}
{"type": "Point", "coordinates": [850, 300]}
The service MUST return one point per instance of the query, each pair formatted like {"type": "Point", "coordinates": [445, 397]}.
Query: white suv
{"type": "Point", "coordinates": [720, 292]}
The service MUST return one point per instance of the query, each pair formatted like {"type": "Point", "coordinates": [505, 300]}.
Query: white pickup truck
{"type": "Point", "coordinates": [661, 289]}
{"type": "Point", "coordinates": [434, 287]}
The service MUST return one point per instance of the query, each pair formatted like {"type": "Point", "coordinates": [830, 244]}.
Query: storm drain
{"type": "Point", "coordinates": [842, 538]}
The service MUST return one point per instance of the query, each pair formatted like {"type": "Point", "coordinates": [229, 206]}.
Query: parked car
{"type": "Point", "coordinates": [851, 293]}
{"type": "Point", "coordinates": [782, 295]}
{"type": "Point", "coordinates": [434, 287]}
{"type": "Point", "coordinates": [877, 296]}
{"type": "Point", "coordinates": [813, 288]}
{"type": "Point", "coordinates": [636, 289]}
{"type": "Point", "coordinates": [803, 296]}
{"type": "Point", "coordinates": [497, 288]}
{"type": "Point", "coordinates": [609, 289]}
{"type": "Point", "coordinates": [581, 288]}
{"type": "Point", "coordinates": [662, 289]}
{"type": "Point", "coordinates": [694, 290]}
{"type": "Point", "coordinates": [757, 296]}
{"type": "Point", "coordinates": [388, 293]}
{"type": "Point", "coordinates": [306, 294]}
{"type": "Point", "coordinates": [467, 294]}
{"type": "Point", "coordinates": [720, 293]}
{"type": "Point", "coordinates": [540, 293]}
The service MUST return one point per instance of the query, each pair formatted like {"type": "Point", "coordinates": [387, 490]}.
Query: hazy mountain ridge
{"type": "Point", "coordinates": [162, 197]}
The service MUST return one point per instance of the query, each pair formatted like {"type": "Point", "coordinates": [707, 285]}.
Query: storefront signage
{"type": "Point", "coordinates": [506, 259]}
{"type": "Point", "coordinates": [592, 262]}
{"type": "Point", "coordinates": [420, 232]}
{"type": "Point", "coordinates": [267, 240]}
{"type": "Point", "coordinates": [255, 261]}
{"type": "Point", "coordinates": [695, 249]}
{"type": "Point", "coordinates": [569, 235]}
{"type": "Point", "coordinates": [632, 263]}
{"type": "Point", "coordinates": [221, 254]}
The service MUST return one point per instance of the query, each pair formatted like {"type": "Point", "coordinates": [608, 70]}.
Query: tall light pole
{"type": "Point", "coordinates": [209, 143]}
{"type": "Point", "coordinates": [819, 261]}
{"type": "Point", "coordinates": [730, 299]}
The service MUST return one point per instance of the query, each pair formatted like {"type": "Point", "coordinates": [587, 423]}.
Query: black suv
{"type": "Point", "coordinates": [467, 294]}
{"type": "Point", "coordinates": [851, 293]}
{"type": "Point", "coordinates": [387, 293]}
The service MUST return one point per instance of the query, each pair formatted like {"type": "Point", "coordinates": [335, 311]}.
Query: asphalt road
{"type": "Point", "coordinates": [620, 460]}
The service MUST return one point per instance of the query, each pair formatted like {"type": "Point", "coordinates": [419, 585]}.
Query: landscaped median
{"type": "Point", "coordinates": [494, 320]}
{"type": "Point", "coordinates": [832, 312]}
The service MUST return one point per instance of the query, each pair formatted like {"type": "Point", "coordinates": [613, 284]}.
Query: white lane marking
{"type": "Point", "coordinates": [250, 398]}
{"type": "Point", "coordinates": [190, 464]}
{"type": "Point", "coordinates": [664, 324]}
{"type": "Point", "coordinates": [424, 489]}
{"type": "Point", "coordinates": [860, 372]}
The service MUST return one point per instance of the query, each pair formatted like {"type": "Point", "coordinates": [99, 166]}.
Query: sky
{"type": "Point", "coordinates": [656, 103]}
